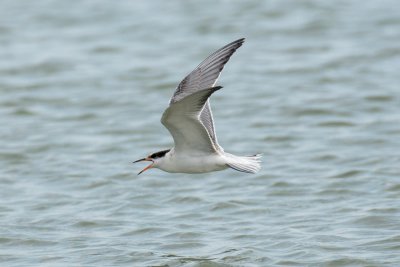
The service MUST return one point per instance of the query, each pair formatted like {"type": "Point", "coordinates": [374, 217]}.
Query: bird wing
{"type": "Point", "coordinates": [206, 118]}
{"type": "Point", "coordinates": [182, 121]}
{"type": "Point", "coordinates": [205, 75]}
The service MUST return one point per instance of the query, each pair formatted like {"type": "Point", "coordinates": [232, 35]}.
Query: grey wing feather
{"type": "Point", "coordinates": [204, 76]}
{"type": "Point", "coordinates": [207, 119]}
{"type": "Point", "coordinates": [181, 120]}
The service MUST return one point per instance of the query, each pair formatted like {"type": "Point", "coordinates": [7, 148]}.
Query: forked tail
{"type": "Point", "coordinates": [249, 164]}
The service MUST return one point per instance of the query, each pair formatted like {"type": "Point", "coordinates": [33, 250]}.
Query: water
{"type": "Point", "coordinates": [315, 88]}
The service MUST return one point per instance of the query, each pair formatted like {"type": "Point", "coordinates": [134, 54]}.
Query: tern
{"type": "Point", "coordinates": [189, 120]}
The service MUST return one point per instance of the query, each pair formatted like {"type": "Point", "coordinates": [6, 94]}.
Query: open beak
{"type": "Point", "coordinates": [148, 167]}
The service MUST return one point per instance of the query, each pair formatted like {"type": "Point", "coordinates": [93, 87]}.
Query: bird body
{"type": "Point", "coordinates": [189, 120]}
{"type": "Point", "coordinates": [184, 163]}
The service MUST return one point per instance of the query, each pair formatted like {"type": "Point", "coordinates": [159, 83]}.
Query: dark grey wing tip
{"type": "Point", "coordinates": [216, 88]}
{"type": "Point", "coordinates": [239, 42]}
{"type": "Point", "coordinates": [232, 45]}
{"type": "Point", "coordinates": [210, 91]}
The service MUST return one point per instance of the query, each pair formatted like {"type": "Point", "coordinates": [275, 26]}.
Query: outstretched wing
{"type": "Point", "coordinates": [182, 121]}
{"type": "Point", "coordinates": [205, 75]}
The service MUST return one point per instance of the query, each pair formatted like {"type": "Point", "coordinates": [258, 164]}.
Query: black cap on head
{"type": "Point", "coordinates": [159, 154]}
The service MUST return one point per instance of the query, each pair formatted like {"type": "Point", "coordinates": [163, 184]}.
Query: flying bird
{"type": "Point", "coordinates": [189, 120]}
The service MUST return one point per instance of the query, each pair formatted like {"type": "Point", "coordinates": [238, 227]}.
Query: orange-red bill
{"type": "Point", "coordinates": [145, 169]}
{"type": "Point", "coordinates": [148, 167]}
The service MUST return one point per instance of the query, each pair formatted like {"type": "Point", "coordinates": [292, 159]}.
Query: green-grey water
{"type": "Point", "coordinates": [315, 88]}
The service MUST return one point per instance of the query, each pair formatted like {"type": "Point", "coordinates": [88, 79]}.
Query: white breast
{"type": "Point", "coordinates": [174, 162]}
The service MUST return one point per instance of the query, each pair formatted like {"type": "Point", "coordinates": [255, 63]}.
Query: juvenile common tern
{"type": "Point", "coordinates": [189, 120]}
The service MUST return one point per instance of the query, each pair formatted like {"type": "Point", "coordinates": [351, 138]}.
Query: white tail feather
{"type": "Point", "coordinates": [249, 164]}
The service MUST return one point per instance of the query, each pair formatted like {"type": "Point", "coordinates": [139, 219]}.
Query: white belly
{"type": "Point", "coordinates": [193, 164]}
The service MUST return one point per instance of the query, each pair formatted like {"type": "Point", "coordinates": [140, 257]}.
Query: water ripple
{"type": "Point", "coordinates": [315, 88]}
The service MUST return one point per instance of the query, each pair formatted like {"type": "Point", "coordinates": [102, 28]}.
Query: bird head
{"type": "Point", "coordinates": [155, 159]}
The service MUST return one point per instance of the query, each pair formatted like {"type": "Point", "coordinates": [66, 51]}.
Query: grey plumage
{"type": "Point", "coordinates": [181, 120]}
{"type": "Point", "coordinates": [204, 76]}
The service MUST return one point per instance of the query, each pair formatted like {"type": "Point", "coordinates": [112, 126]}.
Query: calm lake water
{"type": "Point", "coordinates": [315, 88]}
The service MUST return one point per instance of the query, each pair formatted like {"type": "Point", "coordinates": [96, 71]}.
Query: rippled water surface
{"type": "Point", "coordinates": [315, 88]}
